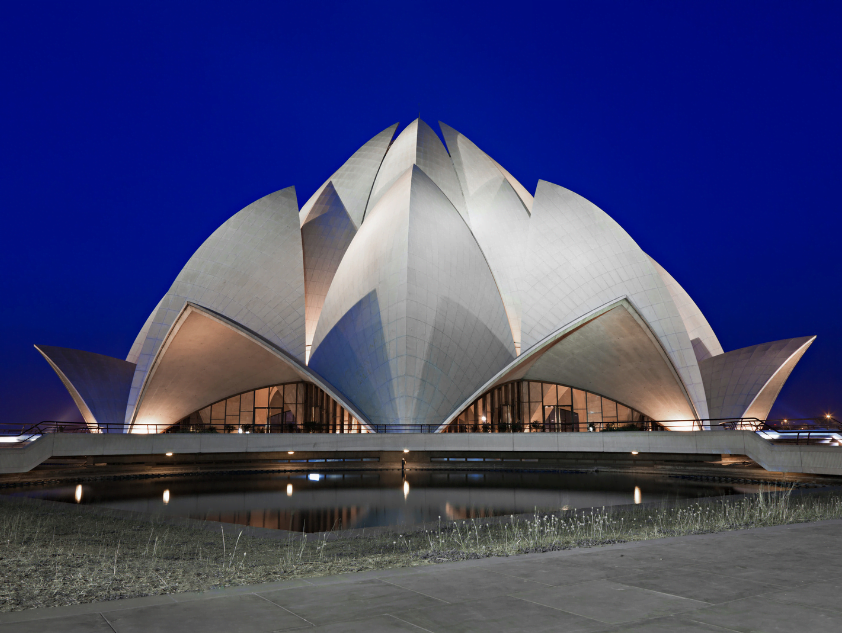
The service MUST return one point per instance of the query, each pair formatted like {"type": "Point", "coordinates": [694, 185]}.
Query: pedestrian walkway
{"type": "Point", "coordinates": [786, 578]}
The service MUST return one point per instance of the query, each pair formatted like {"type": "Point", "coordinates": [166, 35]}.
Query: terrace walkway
{"type": "Point", "coordinates": [732, 581]}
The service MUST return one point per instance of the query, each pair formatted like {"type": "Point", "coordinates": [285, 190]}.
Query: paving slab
{"type": "Point", "coordinates": [824, 595]}
{"type": "Point", "coordinates": [462, 585]}
{"type": "Point", "coordinates": [697, 585]}
{"type": "Point", "coordinates": [502, 614]}
{"type": "Point", "coordinates": [85, 623]}
{"type": "Point", "coordinates": [611, 602]}
{"type": "Point", "coordinates": [377, 624]}
{"type": "Point", "coordinates": [231, 614]}
{"type": "Point", "coordinates": [349, 601]}
{"type": "Point", "coordinates": [761, 615]}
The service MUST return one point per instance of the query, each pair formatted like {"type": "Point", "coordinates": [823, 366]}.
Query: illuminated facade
{"type": "Point", "coordinates": [422, 287]}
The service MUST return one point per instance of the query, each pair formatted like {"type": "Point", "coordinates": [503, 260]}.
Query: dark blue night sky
{"type": "Point", "coordinates": [710, 131]}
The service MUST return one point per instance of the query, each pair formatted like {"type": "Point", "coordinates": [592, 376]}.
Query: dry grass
{"type": "Point", "coordinates": [55, 554]}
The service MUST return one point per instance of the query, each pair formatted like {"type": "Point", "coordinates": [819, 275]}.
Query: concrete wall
{"type": "Point", "coordinates": [823, 460]}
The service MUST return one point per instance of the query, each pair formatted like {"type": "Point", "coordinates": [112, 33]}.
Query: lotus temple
{"type": "Point", "coordinates": [422, 288]}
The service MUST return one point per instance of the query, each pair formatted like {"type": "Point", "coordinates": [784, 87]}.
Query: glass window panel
{"type": "Point", "coordinates": [535, 392]}
{"type": "Point", "coordinates": [594, 408]}
{"type": "Point", "coordinates": [609, 410]}
{"type": "Point", "coordinates": [550, 396]}
{"type": "Point", "coordinates": [565, 397]}
{"type": "Point", "coordinates": [247, 401]}
{"type": "Point", "coordinates": [232, 405]}
{"type": "Point", "coordinates": [218, 411]}
{"type": "Point", "coordinates": [205, 415]}
{"type": "Point", "coordinates": [624, 414]}
{"type": "Point", "coordinates": [232, 421]}
{"type": "Point", "coordinates": [261, 397]}
{"type": "Point", "coordinates": [580, 409]}
{"type": "Point", "coordinates": [535, 415]}
{"type": "Point", "coordinates": [246, 417]}
{"type": "Point", "coordinates": [260, 416]}
{"type": "Point", "coordinates": [290, 397]}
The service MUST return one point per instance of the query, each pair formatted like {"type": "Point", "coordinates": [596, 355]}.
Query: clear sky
{"type": "Point", "coordinates": [709, 130]}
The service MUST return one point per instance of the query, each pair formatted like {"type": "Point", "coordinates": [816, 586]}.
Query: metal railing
{"type": "Point", "coordinates": [825, 430]}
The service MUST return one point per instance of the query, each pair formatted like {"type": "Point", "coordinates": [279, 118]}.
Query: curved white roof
{"type": "Point", "coordinates": [205, 358]}
{"type": "Point", "coordinates": [419, 145]}
{"type": "Point", "coordinates": [704, 341]}
{"type": "Point", "coordinates": [249, 270]}
{"type": "Point", "coordinates": [98, 384]}
{"type": "Point", "coordinates": [354, 179]}
{"type": "Point", "coordinates": [499, 220]}
{"type": "Point", "coordinates": [578, 259]}
{"type": "Point", "coordinates": [414, 277]}
{"type": "Point", "coordinates": [745, 382]}
{"type": "Point", "coordinates": [325, 236]}
{"type": "Point", "coordinates": [413, 320]}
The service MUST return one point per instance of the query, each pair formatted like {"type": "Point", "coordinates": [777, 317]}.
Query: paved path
{"type": "Point", "coordinates": [785, 579]}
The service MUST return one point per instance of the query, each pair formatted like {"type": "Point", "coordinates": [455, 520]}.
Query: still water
{"type": "Point", "coordinates": [315, 502]}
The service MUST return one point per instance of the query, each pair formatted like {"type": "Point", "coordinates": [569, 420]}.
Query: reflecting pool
{"type": "Point", "coordinates": [318, 501]}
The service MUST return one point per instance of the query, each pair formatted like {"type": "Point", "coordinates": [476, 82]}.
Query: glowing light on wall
{"type": "Point", "coordinates": [166, 497]}
{"type": "Point", "coordinates": [78, 494]}
{"type": "Point", "coordinates": [289, 490]}
{"type": "Point", "coordinates": [405, 489]}
{"type": "Point", "coordinates": [314, 476]}
{"type": "Point", "coordinates": [638, 495]}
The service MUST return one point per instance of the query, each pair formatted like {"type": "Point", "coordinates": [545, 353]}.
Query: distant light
{"type": "Point", "coordinates": [406, 450]}
{"type": "Point", "coordinates": [78, 494]}
{"type": "Point", "coordinates": [405, 489]}
{"type": "Point", "coordinates": [634, 452]}
{"type": "Point", "coordinates": [638, 495]}
{"type": "Point", "coordinates": [166, 497]}
{"type": "Point", "coordinates": [827, 416]}
{"type": "Point", "coordinates": [169, 454]}
{"type": "Point", "coordinates": [289, 490]}
{"type": "Point", "coordinates": [483, 418]}
{"type": "Point", "coordinates": [291, 452]}
{"type": "Point", "coordinates": [240, 430]}
{"type": "Point", "coordinates": [314, 476]}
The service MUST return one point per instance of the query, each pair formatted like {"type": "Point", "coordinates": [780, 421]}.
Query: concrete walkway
{"type": "Point", "coordinates": [786, 579]}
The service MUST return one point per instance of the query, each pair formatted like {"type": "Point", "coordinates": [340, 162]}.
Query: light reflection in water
{"type": "Point", "coordinates": [355, 499]}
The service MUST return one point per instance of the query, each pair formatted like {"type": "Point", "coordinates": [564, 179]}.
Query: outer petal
{"type": "Point", "coordinates": [744, 383]}
{"type": "Point", "coordinates": [99, 385]}
{"type": "Point", "coordinates": [413, 321]}
{"type": "Point", "coordinates": [704, 341]}
{"type": "Point", "coordinates": [579, 259]}
{"type": "Point", "coordinates": [250, 270]}
{"type": "Point", "coordinates": [205, 358]}
{"type": "Point", "coordinates": [612, 352]}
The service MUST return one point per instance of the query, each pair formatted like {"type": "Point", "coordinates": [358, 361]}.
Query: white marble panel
{"type": "Point", "coordinates": [413, 322]}
{"type": "Point", "coordinates": [745, 382]}
{"type": "Point", "coordinates": [250, 270]}
{"type": "Point", "coordinates": [419, 145]}
{"type": "Point", "coordinates": [578, 259]}
{"type": "Point", "coordinates": [353, 181]}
